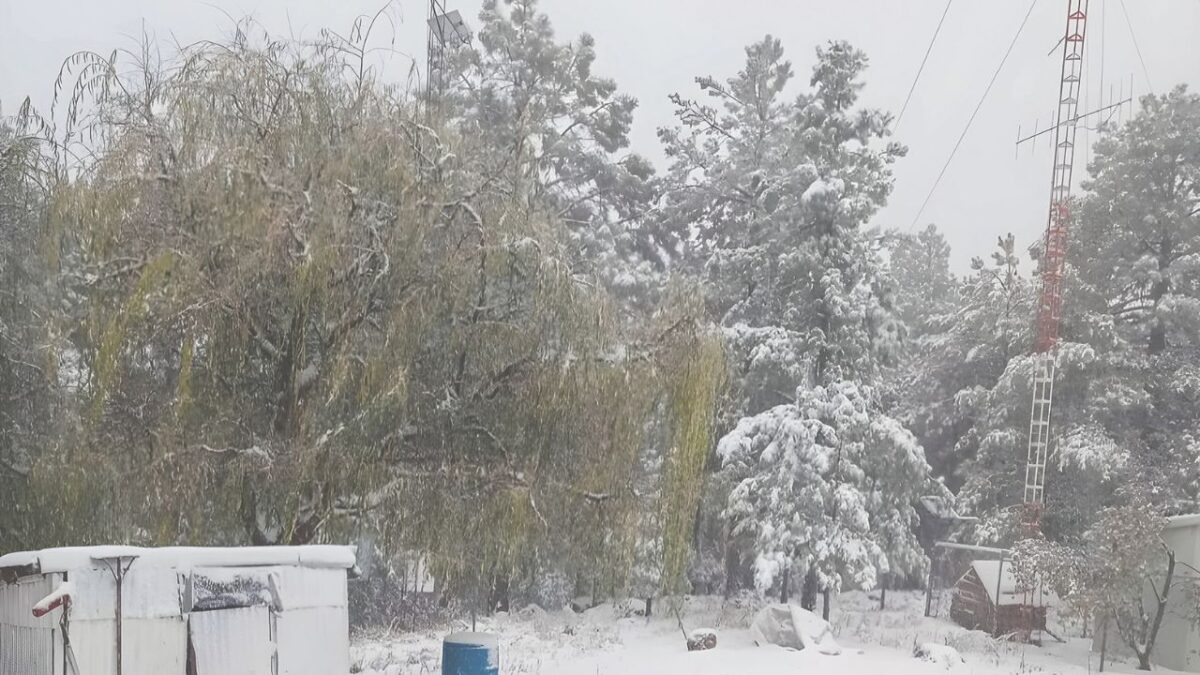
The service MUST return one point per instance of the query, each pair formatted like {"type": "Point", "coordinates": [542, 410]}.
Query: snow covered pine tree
{"type": "Point", "coordinates": [771, 197]}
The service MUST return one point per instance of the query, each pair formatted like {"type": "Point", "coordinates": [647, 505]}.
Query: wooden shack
{"type": "Point", "coordinates": [989, 598]}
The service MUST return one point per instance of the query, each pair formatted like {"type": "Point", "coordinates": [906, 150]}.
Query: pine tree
{"type": "Point", "coordinates": [543, 126]}
{"type": "Point", "coordinates": [919, 265]}
{"type": "Point", "coordinates": [1137, 247]}
{"type": "Point", "coordinates": [958, 355]}
{"type": "Point", "coordinates": [826, 484]}
{"type": "Point", "coordinates": [770, 197]}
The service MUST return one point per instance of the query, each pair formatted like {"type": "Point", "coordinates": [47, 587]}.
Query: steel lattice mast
{"type": "Point", "coordinates": [1050, 301]}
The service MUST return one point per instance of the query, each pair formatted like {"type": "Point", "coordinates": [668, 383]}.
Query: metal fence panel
{"type": "Point", "coordinates": [232, 641]}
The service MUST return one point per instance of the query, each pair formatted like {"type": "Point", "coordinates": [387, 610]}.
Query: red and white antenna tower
{"type": "Point", "coordinates": [1050, 301]}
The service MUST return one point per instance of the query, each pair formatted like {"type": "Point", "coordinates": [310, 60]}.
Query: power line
{"type": "Point", "coordinates": [974, 114]}
{"type": "Point", "coordinates": [925, 60]}
{"type": "Point", "coordinates": [1103, 46]}
{"type": "Point", "coordinates": [1136, 46]}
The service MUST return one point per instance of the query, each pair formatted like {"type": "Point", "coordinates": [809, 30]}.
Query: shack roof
{"type": "Point", "coordinates": [942, 508]}
{"type": "Point", "coordinates": [1189, 520]}
{"type": "Point", "coordinates": [180, 557]}
{"type": "Point", "coordinates": [1001, 577]}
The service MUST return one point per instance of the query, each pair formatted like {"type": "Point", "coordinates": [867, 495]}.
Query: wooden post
{"type": "Point", "coordinates": [120, 629]}
{"type": "Point", "coordinates": [996, 605]}
{"type": "Point", "coordinates": [929, 590]}
{"type": "Point", "coordinates": [1103, 643]}
{"type": "Point", "coordinates": [119, 615]}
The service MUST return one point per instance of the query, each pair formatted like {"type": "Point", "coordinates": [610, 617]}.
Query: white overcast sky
{"type": "Point", "coordinates": [655, 47]}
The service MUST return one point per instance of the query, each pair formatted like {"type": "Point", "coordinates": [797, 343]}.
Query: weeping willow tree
{"type": "Point", "coordinates": [28, 404]}
{"type": "Point", "coordinates": [292, 309]}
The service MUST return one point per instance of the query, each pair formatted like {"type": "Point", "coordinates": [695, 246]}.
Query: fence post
{"type": "Point", "coordinates": [996, 608]}
{"type": "Point", "coordinates": [929, 588]}
{"type": "Point", "coordinates": [1103, 643]}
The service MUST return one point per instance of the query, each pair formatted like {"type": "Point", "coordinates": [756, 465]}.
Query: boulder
{"type": "Point", "coordinates": [934, 653]}
{"type": "Point", "coordinates": [531, 612]}
{"type": "Point", "coordinates": [791, 627]}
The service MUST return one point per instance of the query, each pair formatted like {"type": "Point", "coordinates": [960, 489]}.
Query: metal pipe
{"type": "Point", "coordinates": [996, 605]}
{"type": "Point", "coordinates": [969, 547]}
{"type": "Point", "coordinates": [120, 614]}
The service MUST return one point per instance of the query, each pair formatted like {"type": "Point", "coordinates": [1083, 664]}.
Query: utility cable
{"type": "Point", "coordinates": [1136, 46]}
{"type": "Point", "coordinates": [925, 60]}
{"type": "Point", "coordinates": [974, 114]}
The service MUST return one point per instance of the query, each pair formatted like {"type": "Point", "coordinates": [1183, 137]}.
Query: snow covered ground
{"type": "Point", "coordinates": [603, 641]}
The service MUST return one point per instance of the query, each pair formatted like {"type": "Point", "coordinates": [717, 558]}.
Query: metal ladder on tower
{"type": "Point", "coordinates": [1050, 304]}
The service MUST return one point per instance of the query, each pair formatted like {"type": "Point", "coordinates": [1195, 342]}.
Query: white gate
{"type": "Point", "coordinates": [26, 643]}
{"type": "Point", "coordinates": [232, 641]}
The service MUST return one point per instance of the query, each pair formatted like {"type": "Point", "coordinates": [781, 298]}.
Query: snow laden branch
{"type": "Point", "coordinates": [828, 484]}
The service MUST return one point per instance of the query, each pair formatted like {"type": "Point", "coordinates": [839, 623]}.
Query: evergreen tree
{"type": "Point", "coordinates": [919, 265]}
{"type": "Point", "coordinates": [542, 126]}
{"type": "Point", "coordinates": [959, 354]}
{"type": "Point", "coordinates": [770, 196]}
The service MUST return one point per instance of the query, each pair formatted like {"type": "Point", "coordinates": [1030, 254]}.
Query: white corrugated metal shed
{"type": "Point", "coordinates": [183, 557]}
{"type": "Point", "coordinates": [285, 607]}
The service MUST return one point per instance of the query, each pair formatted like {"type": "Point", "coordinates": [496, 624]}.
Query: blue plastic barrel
{"type": "Point", "coordinates": [471, 654]}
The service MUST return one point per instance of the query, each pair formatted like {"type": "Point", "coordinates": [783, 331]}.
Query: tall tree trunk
{"type": "Point", "coordinates": [499, 601]}
{"type": "Point", "coordinates": [1162, 597]}
{"type": "Point", "coordinates": [808, 592]}
{"type": "Point", "coordinates": [825, 604]}
{"type": "Point", "coordinates": [731, 565]}
{"type": "Point", "coordinates": [1158, 328]}
{"type": "Point", "coordinates": [784, 585]}
{"type": "Point", "coordinates": [1103, 643]}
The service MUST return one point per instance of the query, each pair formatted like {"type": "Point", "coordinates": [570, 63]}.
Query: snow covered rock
{"type": "Point", "coordinates": [934, 653]}
{"type": "Point", "coordinates": [581, 604]}
{"type": "Point", "coordinates": [702, 639]}
{"type": "Point", "coordinates": [531, 612]}
{"type": "Point", "coordinates": [793, 628]}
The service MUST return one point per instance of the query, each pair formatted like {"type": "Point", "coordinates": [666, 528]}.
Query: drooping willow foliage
{"type": "Point", "coordinates": [287, 309]}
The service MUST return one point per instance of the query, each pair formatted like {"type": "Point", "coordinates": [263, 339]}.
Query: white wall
{"type": "Point", "coordinates": [311, 633]}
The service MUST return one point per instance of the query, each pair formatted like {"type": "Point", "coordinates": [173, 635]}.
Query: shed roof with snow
{"type": "Point", "coordinates": [1187, 520]}
{"type": "Point", "coordinates": [1000, 581]}
{"type": "Point", "coordinates": [66, 559]}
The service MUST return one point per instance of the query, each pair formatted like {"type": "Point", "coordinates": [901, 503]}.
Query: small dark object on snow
{"type": "Point", "coordinates": [701, 640]}
{"type": "Point", "coordinates": [581, 605]}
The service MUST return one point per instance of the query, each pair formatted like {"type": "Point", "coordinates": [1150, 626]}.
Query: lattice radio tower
{"type": "Point", "coordinates": [446, 30]}
{"type": "Point", "coordinates": [1050, 300]}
